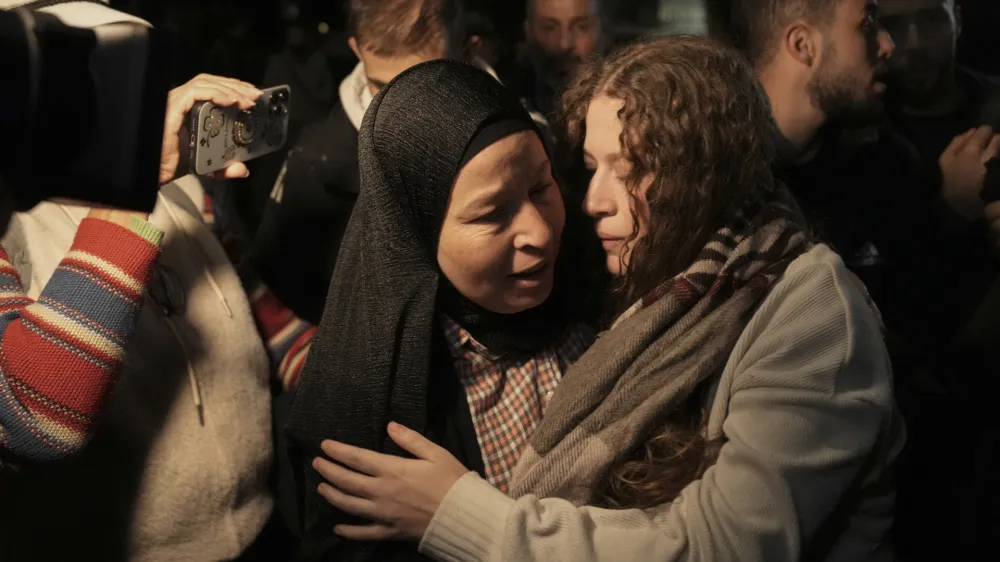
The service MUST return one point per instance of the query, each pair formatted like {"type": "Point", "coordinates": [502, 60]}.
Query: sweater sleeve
{"type": "Point", "coordinates": [288, 338]}
{"type": "Point", "coordinates": [811, 396]}
{"type": "Point", "coordinates": [59, 356]}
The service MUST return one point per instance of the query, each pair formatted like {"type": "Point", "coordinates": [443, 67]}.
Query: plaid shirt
{"type": "Point", "coordinates": [507, 396]}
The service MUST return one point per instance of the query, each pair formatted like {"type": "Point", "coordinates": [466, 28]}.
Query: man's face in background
{"type": "Point", "coordinates": [849, 79]}
{"type": "Point", "coordinates": [925, 33]}
{"type": "Point", "coordinates": [560, 34]}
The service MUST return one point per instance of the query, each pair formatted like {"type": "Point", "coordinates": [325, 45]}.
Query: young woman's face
{"type": "Point", "coordinates": [608, 200]}
{"type": "Point", "coordinates": [500, 236]}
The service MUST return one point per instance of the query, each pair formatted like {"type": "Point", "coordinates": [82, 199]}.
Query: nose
{"type": "Point", "coordinates": [534, 230]}
{"type": "Point", "coordinates": [885, 45]}
{"type": "Point", "coordinates": [597, 203]}
{"type": "Point", "coordinates": [565, 40]}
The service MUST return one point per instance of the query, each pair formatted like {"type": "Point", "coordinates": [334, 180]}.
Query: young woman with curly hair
{"type": "Point", "coordinates": [739, 407]}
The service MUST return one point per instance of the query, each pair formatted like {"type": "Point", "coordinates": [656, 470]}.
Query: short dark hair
{"type": "Point", "coordinates": [752, 26]}
{"type": "Point", "coordinates": [402, 27]}
{"type": "Point", "coordinates": [529, 6]}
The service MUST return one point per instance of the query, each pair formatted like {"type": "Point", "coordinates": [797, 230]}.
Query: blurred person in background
{"type": "Point", "coordinates": [482, 40]}
{"type": "Point", "coordinates": [296, 246]}
{"type": "Point", "coordinates": [306, 74]}
{"type": "Point", "coordinates": [933, 99]}
{"type": "Point", "coordinates": [186, 24]}
{"type": "Point", "coordinates": [237, 52]}
{"type": "Point", "coordinates": [920, 251]}
{"type": "Point", "coordinates": [303, 65]}
{"type": "Point", "coordinates": [179, 461]}
{"type": "Point", "coordinates": [339, 56]}
{"type": "Point", "coordinates": [559, 35]}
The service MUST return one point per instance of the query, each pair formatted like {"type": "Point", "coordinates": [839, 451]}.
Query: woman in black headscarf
{"type": "Point", "coordinates": [452, 309]}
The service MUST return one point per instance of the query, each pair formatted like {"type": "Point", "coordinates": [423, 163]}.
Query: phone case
{"type": "Point", "coordinates": [222, 136]}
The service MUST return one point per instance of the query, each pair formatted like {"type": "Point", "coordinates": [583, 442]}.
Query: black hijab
{"type": "Point", "coordinates": [373, 359]}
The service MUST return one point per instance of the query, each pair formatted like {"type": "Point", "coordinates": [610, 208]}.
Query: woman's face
{"type": "Point", "coordinates": [608, 200]}
{"type": "Point", "coordinates": [500, 236]}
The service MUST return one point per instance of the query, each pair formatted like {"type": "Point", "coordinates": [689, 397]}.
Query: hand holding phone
{"type": "Point", "coordinates": [223, 92]}
{"type": "Point", "coordinates": [226, 136]}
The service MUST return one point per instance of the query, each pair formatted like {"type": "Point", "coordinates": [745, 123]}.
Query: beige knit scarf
{"type": "Point", "coordinates": [615, 397]}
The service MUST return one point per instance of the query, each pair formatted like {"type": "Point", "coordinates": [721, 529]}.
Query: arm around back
{"type": "Point", "coordinates": [805, 404]}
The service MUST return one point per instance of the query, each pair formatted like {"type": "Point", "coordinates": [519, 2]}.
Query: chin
{"type": "Point", "coordinates": [521, 298]}
{"type": "Point", "coordinates": [614, 265]}
{"type": "Point", "coordinates": [522, 304]}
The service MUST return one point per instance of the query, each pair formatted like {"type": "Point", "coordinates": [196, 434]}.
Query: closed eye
{"type": "Point", "coordinates": [497, 215]}
{"type": "Point", "coordinates": [540, 192]}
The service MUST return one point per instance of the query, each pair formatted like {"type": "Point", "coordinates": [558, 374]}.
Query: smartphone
{"type": "Point", "coordinates": [222, 136]}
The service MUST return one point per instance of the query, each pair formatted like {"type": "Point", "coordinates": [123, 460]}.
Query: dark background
{"type": "Point", "coordinates": [200, 24]}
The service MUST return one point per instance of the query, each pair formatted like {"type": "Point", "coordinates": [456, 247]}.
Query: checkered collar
{"type": "Point", "coordinates": [461, 342]}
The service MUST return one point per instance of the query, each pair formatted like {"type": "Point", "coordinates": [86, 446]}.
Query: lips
{"type": "Point", "coordinates": [611, 243]}
{"type": "Point", "coordinates": [532, 271]}
{"type": "Point", "coordinates": [879, 77]}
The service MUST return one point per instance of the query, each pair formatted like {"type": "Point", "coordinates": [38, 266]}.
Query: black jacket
{"type": "Point", "coordinates": [297, 242]}
{"type": "Point", "coordinates": [925, 267]}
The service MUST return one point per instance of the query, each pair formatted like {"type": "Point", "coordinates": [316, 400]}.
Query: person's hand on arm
{"type": "Point", "coordinates": [804, 424]}
{"type": "Point", "coordinates": [399, 495]}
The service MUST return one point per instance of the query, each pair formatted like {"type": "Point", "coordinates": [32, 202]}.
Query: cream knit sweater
{"type": "Point", "coordinates": [805, 401]}
{"type": "Point", "coordinates": [163, 480]}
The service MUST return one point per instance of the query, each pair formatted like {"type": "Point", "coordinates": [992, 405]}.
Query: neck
{"type": "Point", "coordinates": [797, 119]}
{"type": "Point", "coordinates": [523, 333]}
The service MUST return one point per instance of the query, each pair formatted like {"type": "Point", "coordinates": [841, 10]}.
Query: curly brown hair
{"type": "Point", "coordinates": [697, 122]}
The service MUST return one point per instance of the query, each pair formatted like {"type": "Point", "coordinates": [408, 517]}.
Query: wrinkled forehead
{"type": "Point", "coordinates": [906, 7]}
